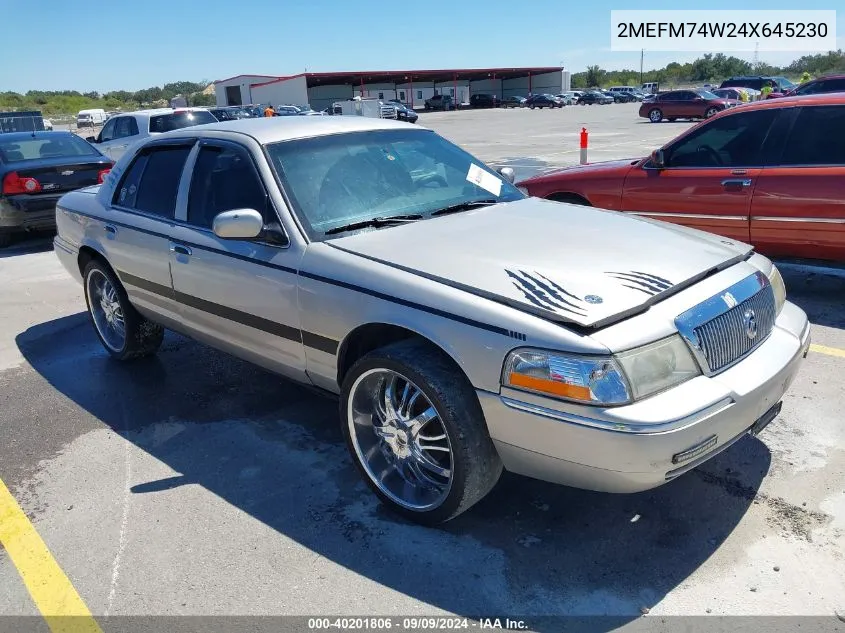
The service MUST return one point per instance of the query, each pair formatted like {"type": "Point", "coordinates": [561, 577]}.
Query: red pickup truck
{"type": "Point", "coordinates": [770, 173]}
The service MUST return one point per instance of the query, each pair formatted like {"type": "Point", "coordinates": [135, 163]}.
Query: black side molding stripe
{"type": "Point", "coordinates": [334, 282]}
{"type": "Point", "coordinates": [244, 318]}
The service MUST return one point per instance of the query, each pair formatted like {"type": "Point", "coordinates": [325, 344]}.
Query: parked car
{"type": "Point", "coordinates": [778, 85]}
{"type": "Point", "coordinates": [515, 349]}
{"type": "Point", "coordinates": [121, 131]}
{"type": "Point", "coordinates": [439, 102]}
{"type": "Point", "coordinates": [619, 96]}
{"type": "Point", "coordinates": [404, 113]}
{"type": "Point", "coordinates": [821, 85]}
{"type": "Point", "coordinates": [740, 94]}
{"type": "Point", "coordinates": [287, 110]}
{"type": "Point", "coordinates": [91, 117]}
{"type": "Point", "coordinates": [594, 97]}
{"type": "Point", "coordinates": [484, 101]}
{"type": "Point", "coordinates": [36, 169]}
{"type": "Point", "coordinates": [513, 102]}
{"type": "Point", "coordinates": [568, 98]}
{"type": "Point", "coordinates": [544, 101]}
{"type": "Point", "coordinates": [23, 121]}
{"type": "Point", "coordinates": [684, 104]}
{"type": "Point", "coordinates": [768, 173]}
{"type": "Point", "coordinates": [229, 113]}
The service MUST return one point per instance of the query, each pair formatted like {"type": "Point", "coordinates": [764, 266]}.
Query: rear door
{"type": "Point", "coordinates": [136, 237]}
{"type": "Point", "coordinates": [709, 175]}
{"type": "Point", "coordinates": [798, 207]}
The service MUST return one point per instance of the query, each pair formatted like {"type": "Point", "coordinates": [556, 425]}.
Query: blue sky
{"type": "Point", "coordinates": [131, 45]}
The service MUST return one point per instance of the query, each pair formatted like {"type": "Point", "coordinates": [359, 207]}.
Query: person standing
{"type": "Point", "coordinates": [268, 111]}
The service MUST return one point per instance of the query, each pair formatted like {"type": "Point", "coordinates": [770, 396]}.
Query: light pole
{"type": "Point", "coordinates": [642, 54]}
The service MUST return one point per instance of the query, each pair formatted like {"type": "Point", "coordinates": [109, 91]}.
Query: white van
{"type": "Point", "coordinates": [90, 118]}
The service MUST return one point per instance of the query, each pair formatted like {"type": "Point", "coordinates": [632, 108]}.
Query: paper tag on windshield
{"type": "Point", "coordinates": [485, 180]}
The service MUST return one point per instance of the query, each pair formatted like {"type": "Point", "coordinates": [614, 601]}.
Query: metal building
{"type": "Point", "coordinates": [412, 87]}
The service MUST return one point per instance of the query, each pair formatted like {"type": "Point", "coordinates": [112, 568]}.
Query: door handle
{"type": "Point", "coordinates": [180, 249]}
{"type": "Point", "coordinates": [110, 229]}
{"type": "Point", "coordinates": [737, 182]}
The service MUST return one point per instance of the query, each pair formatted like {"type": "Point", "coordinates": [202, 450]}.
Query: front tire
{"type": "Point", "coordinates": [123, 332]}
{"type": "Point", "coordinates": [416, 432]}
{"type": "Point", "coordinates": [655, 115]}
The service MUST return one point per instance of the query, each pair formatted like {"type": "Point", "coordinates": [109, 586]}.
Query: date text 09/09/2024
{"type": "Point", "coordinates": [416, 623]}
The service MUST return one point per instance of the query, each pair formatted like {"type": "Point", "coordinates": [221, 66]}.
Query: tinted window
{"type": "Point", "coordinates": [107, 133]}
{"type": "Point", "coordinates": [125, 126]}
{"type": "Point", "coordinates": [730, 141]}
{"type": "Point", "coordinates": [817, 138]}
{"type": "Point", "coordinates": [152, 181]}
{"type": "Point", "coordinates": [56, 146]}
{"type": "Point", "coordinates": [178, 120]}
{"type": "Point", "coordinates": [224, 179]}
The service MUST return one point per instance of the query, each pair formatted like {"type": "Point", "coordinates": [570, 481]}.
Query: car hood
{"type": "Point", "coordinates": [562, 262]}
{"type": "Point", "coordinates": [577, 171]}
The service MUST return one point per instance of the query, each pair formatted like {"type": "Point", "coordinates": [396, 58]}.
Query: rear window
{"type": "Point", "coordinates": [60, 146]}
{"type": "Point", "coordinates": [178, 120]}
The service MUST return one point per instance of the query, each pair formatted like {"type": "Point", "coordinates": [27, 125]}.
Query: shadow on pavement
{"type": "Point", "coordinates": [28, 243]}
{"type": "Point", "coordinates": [274, 450]}
{"type": "Point", "coordinates": [816, 291]}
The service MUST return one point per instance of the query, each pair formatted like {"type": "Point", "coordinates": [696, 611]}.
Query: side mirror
{"type": "Point", "coordinates": [658, 160]}
{"type": "Point", "coordinates": [238, 224]}
{"type": "Point", "coordinates": [507, 173]}
{"type": "Point", "coordinates": [91, 139]}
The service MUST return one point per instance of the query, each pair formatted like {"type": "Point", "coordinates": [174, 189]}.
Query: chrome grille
{"type": "Point", "coordinates": [725, 340]}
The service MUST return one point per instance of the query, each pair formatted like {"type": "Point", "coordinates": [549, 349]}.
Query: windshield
{"type": "Point", "coordinates": [344, 178]}
{"type": "Point", "coordinates": [178, 120]}
{"type": "Point", "coordinates": [57, 146]}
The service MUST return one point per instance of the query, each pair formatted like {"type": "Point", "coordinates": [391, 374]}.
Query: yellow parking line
{"type": "Point", "coordinates": [51, 590]}
{"type": "Point", "coordinates": [830, 351]}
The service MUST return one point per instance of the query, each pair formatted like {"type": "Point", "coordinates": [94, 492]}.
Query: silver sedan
{"type": "Point", "coordinates": [466, 327]}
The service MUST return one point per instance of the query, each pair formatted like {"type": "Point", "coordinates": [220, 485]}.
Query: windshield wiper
{"type": "Point", "coordinates": [464, 206]}
{"type": "Point", "coordinates": [377, 221]}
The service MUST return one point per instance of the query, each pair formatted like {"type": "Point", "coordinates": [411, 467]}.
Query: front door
{"type": "Point", "coordinates": [709, 176]}
{"type": "Point", "coordinates": [238, 295]}
{"type": "Point", "coordinates": [798, 208]}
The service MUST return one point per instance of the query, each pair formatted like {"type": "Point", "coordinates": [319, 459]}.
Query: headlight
{"type": "Point", "coordinates": [602, 380]}
{"type": "Point", "coordinates": [778, 287]}
{"type": "Point", "coordinates": [524, 190]}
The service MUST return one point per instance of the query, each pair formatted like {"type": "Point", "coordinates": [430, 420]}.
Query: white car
{"type": "Point", "coordinates": [123, 130]}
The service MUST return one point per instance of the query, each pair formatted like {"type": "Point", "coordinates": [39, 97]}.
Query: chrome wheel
{"type": "Point", "coordinates": [710, 112]}
{"type": "Point", "coordinates": [106, 310]}
{"type": "Point", "coordinates": [655, 116]}
{"type": "Point", "coordinates": [400, 440]}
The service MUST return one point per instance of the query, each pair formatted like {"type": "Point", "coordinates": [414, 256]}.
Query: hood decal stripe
{"type": "Point", "coordinates": [529, 286]}
{"type": "Point", "coordinates": [644, 284]}
{"type": "Point", "coordinates": [559, 289]}
{"type": "Point", "coordinates": [651, 294]}
{"type": "Point", "coordinates": [655, 277]}
{"type": "Point", "coordinates": [552, 288]}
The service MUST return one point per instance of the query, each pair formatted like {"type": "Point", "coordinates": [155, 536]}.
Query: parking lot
{"type": "Point", "coordinates": [195, 483]}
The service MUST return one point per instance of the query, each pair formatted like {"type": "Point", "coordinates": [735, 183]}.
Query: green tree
{"type": "Point", "coordinates": [200, 99]}
{"type": "Point", "coordinates": [595, 76]}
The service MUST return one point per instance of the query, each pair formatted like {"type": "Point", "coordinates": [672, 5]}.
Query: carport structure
{"type": "Point", "coordinates": [409, 86]}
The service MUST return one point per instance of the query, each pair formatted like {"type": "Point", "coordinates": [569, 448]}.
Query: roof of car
{"type": "Point", "coordinates": [157, 111]}
{"type": "Point", "coordinates": [20, 136]}
{"type": "Point", "coordinates": [273, 129]}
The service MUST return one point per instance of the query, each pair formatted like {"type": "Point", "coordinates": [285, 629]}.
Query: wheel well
{"type": "Point", "coordinates": [367, 338]}
{"type": "Point", "coordinates": [572, 198]}
{"type": "Point", "coordinates": [86, 255]}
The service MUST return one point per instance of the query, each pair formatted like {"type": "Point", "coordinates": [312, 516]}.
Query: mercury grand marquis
{"type": "Point", "coordinates": [466, 327]}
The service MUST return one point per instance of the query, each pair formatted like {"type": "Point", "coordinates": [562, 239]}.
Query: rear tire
{"type": "Point", "coordinates": [571, 198]}
{"type": "Point", "coordinates": [383, 394]}
{"type": "Point", "coordinates": [711, 112]}
{"type": "Point", "coordinates": [123, 332]}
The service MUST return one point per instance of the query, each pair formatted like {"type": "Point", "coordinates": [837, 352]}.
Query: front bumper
{"type": "Point", "coordinates": [646, 444]}
{"type": "Point", "coordinates": [28, 213]}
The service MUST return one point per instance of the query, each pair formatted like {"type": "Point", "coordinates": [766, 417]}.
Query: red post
{"type": "Point", "coordinates": [455, 84]}
{"type": "Point", "coordinates": [583, 146]}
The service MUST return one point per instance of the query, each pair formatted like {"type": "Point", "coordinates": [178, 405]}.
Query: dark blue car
{"type": "Point", "coordinates": [38, 168]}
